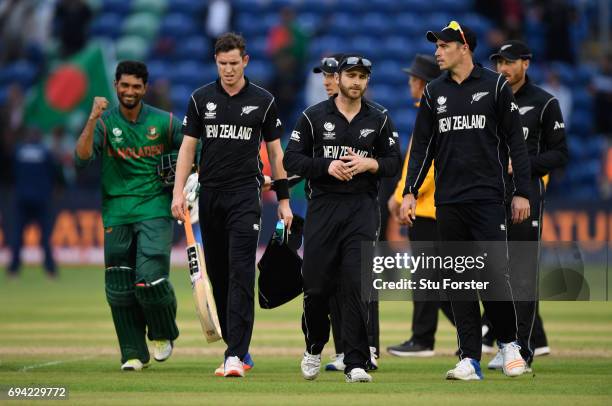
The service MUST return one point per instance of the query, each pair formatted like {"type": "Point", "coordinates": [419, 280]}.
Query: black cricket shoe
{"type": "Point", "coordinates": [410, 349]}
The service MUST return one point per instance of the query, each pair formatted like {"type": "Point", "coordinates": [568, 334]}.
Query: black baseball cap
{"type": "Point", "coordinates": [512, 50]}
{"type": "Point", "coordinates": [423, 67]}
{"type": "Point", "coordinates": [329, 64]}
{"type": "Point", "coordinates": [353, 61]}
{"type": "Point", "coordinates": [454, 32]}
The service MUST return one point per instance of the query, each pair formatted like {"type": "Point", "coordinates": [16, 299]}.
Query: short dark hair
{"type": "Point", "coordinates": [230, 41]}
{"type": "Point", "coordinates": [135, 68]}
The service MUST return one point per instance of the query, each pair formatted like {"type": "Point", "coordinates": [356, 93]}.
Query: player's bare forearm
{"type": "Point", "coordinates": [275, 154]}
{"type": "Point", "coordinates": [184, 163]}
{"type": "Point", "coordinates": [84, 145]}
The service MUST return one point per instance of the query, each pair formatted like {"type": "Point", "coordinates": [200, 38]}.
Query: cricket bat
{"type": "Point", "coordinates": [200, 285]}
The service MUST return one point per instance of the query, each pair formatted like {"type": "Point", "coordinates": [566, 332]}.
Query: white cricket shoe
{"type": "Point", "coordinates": [337, 363]}
{"type": "Point", "coordinates": [162, 349]}
{"type": "Point", "coordinates": [513, 362]}
{"type": "Point", "coordinates": [134, 365]}
{"type": "Point", "coordinates": [358, 375]}
{"type": "Point", "coordinates": [233, 367]}
{"type": "Point", "coordinates": [311, 365]}
{"type": "Point", "coordinates": [497, 362]}
{"type": "Point", "coordinates": [466, 370]}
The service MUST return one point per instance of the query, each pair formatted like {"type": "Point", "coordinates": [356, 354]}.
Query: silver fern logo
{"type": "Point", "coordinates": [248, 109]}
{"type": "Point", "coordinates": [477, 96]}
{"type": "Point", "coordinates": [365, 132]}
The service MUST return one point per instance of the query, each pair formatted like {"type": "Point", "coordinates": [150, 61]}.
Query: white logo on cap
{"type": "Point", "coordinates": [503, 48]}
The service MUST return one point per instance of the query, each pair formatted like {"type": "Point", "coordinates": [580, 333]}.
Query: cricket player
{"type": "Point", "coordinates": [342, 146]}
{"type": "Point", "coordinates": [423, 70]}
{"type": "Point", "coordinates": [231, 116]}
{"type": "Point", "coordinates": [327, 68]}
{"type": "Point", "coordinates": [544, 133]}
{"type": "Point", "coordinates": [130, 140]}
{"type": "Point", "coordinates": [468, 123]}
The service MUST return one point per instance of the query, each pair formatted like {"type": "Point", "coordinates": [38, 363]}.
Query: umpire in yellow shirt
{"type": "Point", "coordinates": [425, 315]}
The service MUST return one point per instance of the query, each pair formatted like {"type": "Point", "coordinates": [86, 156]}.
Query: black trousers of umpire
{"type": "Point", "coordinates": [425, 312]}
{"type": "Point", "coordinates": [230, 223]}
{"type": "Point", "coordinates": [530, 328]}
{"type": "Point", "coordinates": [336, 226]}
{"type": "Point", "coordinates": [478, 222]}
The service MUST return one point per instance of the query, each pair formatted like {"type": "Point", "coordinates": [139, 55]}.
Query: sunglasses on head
{"type": "Point", "coordinates": [454, 25]}
{"type": "Point", "coordinates": [329, 62]}
{"type": "Point", "coordinates": [355, 60]}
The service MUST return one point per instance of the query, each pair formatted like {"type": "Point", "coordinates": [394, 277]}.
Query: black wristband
{"type": "Point", "coordinates": [282, 189]}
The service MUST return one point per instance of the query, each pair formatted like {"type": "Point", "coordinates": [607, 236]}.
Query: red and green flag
{"type": "Point", "coordinates": [65, 96]}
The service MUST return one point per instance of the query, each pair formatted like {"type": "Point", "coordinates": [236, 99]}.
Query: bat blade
{"type": "Point", "coordinates": [201, 289]}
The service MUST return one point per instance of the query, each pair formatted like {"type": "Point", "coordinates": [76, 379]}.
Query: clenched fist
{"type": "Point", "coordinates": [99, 105]}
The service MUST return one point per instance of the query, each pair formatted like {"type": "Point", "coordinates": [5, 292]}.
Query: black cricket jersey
{"type": "Point", "coordinates": [231, 129]}
{"type": "Point", "coordinates": [384, 110]}
{"type": "Point", "coordinates": [322, 135]}
{"type": "Point", "coordinates": [543, 129]}
{"type": "Point", "coordinates": [469, 129]}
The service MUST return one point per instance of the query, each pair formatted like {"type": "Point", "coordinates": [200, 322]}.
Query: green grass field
{"type": "Point", "coordinates": [59, 333]}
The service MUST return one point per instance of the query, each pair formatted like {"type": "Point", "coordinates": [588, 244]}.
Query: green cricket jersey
{"type": "Point", "coordinates": [130, 152]}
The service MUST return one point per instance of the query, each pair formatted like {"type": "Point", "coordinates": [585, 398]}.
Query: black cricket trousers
{"type": "Point", "coordinates": [230, 223]}
{"type": "Point", "coordinates": [335, 227]}
{"type": "Point", "coordinates": [478, 222]}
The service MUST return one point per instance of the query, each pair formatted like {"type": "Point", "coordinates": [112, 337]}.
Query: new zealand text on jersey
{"type": "Point", "coordinates": [228, 131]}
{"type": "Point", "coordinates": [336, 151]}
{"type": "Point", "coordinates": [467, 122]}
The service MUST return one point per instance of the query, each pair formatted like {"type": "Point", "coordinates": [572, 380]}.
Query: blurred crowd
{"type": "Point", "coordinates": [560, 32]}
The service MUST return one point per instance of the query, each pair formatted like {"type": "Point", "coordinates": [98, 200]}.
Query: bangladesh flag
{"type": "Point", "coordinates": [65, 96]}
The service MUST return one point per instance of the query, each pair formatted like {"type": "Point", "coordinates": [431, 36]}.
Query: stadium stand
{"type": "Point", "coordinates": [169, 36]}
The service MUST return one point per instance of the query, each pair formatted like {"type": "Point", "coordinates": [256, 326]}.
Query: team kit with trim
{"type": "Point", "coordinates": [491, 141]}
